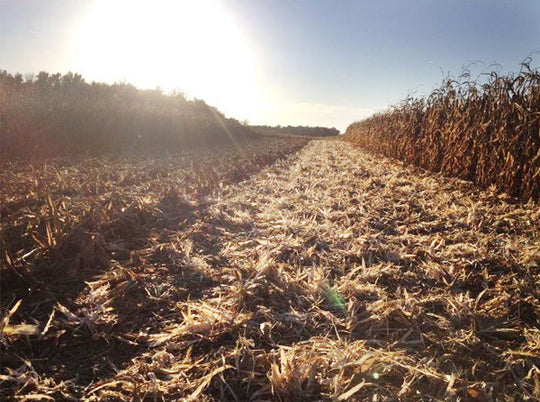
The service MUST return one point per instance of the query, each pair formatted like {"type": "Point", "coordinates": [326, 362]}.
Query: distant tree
{"type": "Point", "coordinates": [297, 130]}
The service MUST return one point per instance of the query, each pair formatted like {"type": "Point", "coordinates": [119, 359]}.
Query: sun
{"type": "Point", "coordinates": [190, 45]}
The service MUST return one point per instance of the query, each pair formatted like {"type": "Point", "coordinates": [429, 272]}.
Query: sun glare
{"type": "Point", "coordinates": [192, 46]}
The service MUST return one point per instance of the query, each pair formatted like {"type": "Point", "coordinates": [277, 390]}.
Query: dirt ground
{"type": "Point", "coordinates": [332, 274]}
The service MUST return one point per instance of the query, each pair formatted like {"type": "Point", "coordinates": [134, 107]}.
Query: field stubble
{"type": "Point", "coordinates": [329, 275]}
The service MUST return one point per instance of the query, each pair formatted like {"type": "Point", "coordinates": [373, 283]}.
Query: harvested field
{"type": "Point", "coordinates": [330, 275]}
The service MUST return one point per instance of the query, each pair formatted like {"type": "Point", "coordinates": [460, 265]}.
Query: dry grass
{"type": "Point", "coordinates": [328, 276]}
{"type": "Point", "coordinates": [486, 132]}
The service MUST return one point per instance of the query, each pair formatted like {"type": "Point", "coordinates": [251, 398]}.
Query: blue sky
{"type": "Point", "coordinates": [311, 62]}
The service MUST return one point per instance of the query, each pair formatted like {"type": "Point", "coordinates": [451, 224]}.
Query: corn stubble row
{"type": "Point", "coordinates": [330, 275]}
{"type": "Point", "coordinates": [66, 221]}
{"type": "Point", "coordinates": [488, 133]}
{"type": "Point", "coordinates": [46, 203]}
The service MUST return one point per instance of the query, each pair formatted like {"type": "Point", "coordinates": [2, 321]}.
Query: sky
{"type": "Point", "coordinates": [287, 62]}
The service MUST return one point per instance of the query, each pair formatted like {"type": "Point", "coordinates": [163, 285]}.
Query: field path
{"type": "Point", "coordinates": [334, 268]}
{"type": "Point", "coordinates": [330, 275]}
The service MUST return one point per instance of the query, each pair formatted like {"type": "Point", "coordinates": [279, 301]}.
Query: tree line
{"type": "Point", "coordinates": [297, 130]}
{"type": "Point", "coordinates": [54, 114]}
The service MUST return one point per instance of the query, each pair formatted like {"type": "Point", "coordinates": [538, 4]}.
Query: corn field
{"type": "Point", "coordinates": [485, 132]}
{"type": "Point", "coordinates": [139, 264]}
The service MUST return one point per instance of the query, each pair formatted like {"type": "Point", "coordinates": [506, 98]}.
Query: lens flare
{"type": "Point", "coordinates": [193, 46]}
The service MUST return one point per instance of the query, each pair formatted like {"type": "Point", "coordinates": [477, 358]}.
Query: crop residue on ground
{"type": "Point", "coordinates": [329, 275]}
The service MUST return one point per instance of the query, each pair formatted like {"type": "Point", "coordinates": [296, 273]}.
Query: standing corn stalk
{"type": "Point", "coordinates": [488, 133]}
